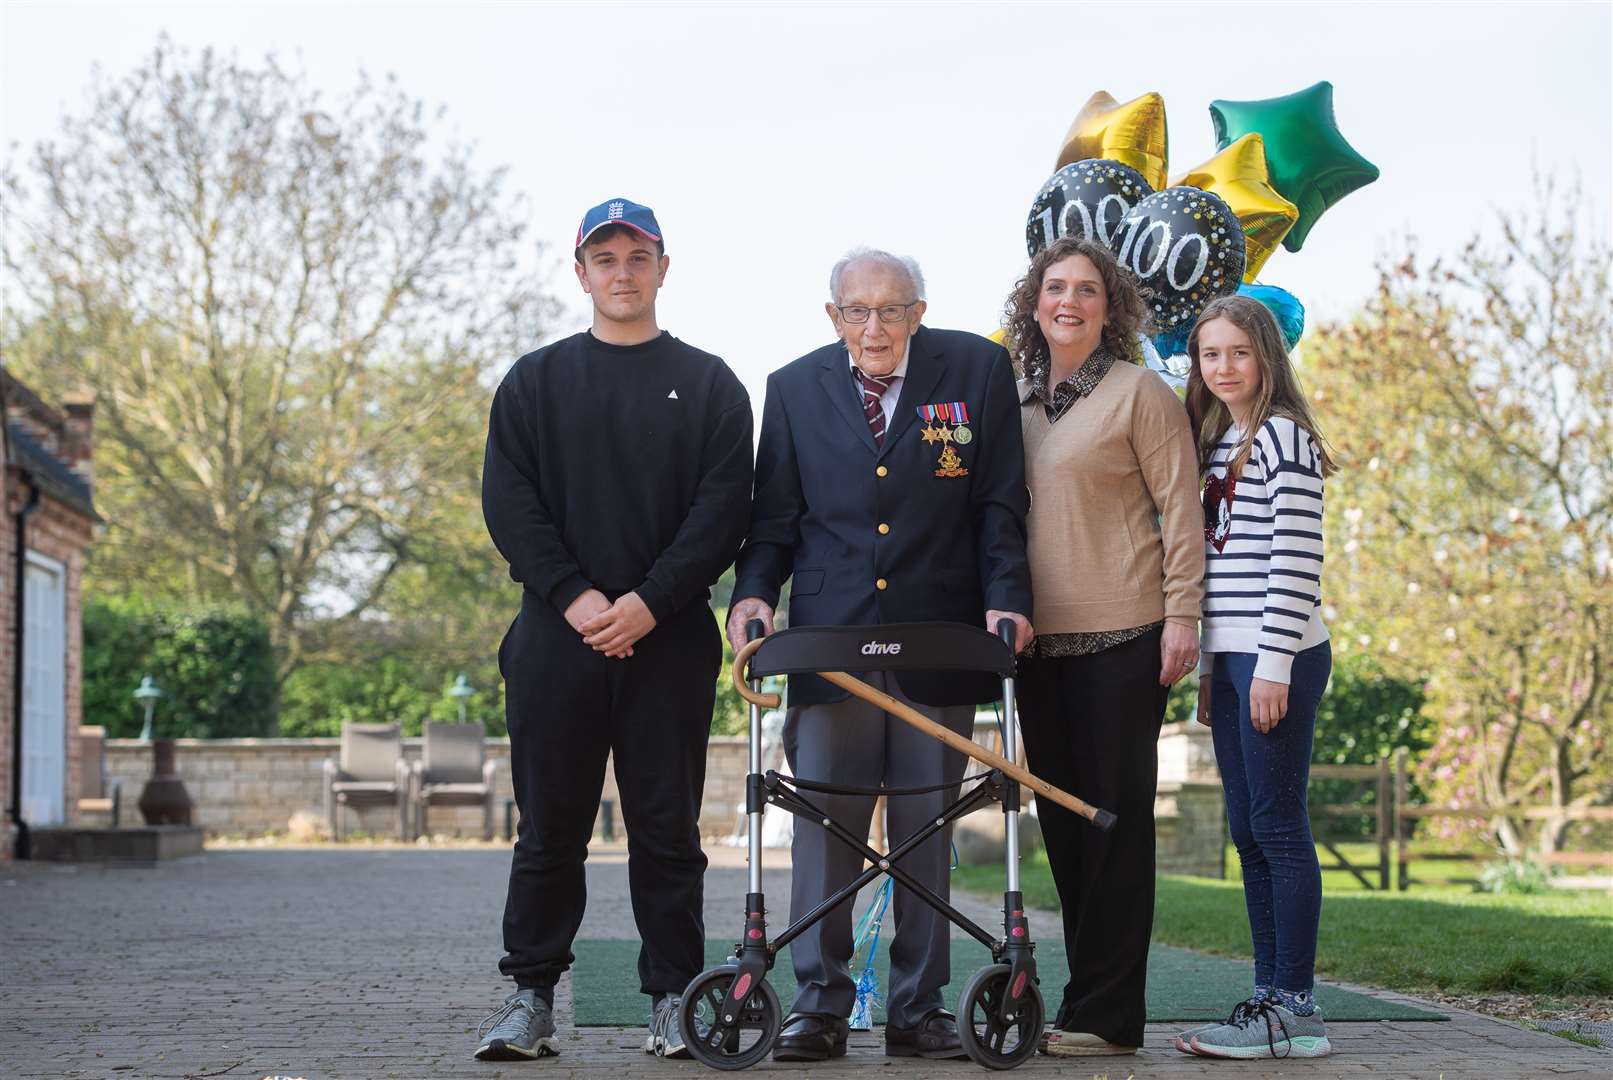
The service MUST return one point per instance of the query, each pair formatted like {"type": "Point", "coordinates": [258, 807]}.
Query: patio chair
{"type": "Point", "coordinates": [97, 792]}
{"type": "Point", "coordinates": [371, 772]}
{"type": "Point", "coordinates": [453, 771]}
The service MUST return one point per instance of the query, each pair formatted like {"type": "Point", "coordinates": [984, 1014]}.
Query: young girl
{"type": "Point", "coordinates": [1266, 657]}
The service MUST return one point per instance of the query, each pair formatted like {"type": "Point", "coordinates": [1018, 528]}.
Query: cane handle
{"type": "Point", "coordinates": [741, 659]}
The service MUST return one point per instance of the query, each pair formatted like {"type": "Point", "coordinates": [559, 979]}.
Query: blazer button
{"type": "Point", "coordinates": [883, 528]}
{"type": "Point", "coordinates": [881, 471]}
{"type": "Point", "coordinates": [880, 584]}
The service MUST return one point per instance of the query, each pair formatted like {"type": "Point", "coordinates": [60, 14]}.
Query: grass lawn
{"type": "Point", "coordinates": [1439, 936]}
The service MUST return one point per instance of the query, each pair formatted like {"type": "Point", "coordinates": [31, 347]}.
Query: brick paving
{"type": "Point", "coordinates": [379, 962]}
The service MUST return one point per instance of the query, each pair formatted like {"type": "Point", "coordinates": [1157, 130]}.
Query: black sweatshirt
{"type": "Point", "coordinates": [623, 468]}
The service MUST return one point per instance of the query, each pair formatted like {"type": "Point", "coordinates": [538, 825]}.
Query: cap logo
{"type": "Point", "coordinates": [614, 213]}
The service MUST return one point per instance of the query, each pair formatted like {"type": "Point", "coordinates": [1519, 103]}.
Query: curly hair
{"type": "Point", "coordinates": [1127, 317]}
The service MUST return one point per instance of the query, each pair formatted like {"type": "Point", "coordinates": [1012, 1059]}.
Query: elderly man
{"type": "Point", "coordinates": [890, 486]}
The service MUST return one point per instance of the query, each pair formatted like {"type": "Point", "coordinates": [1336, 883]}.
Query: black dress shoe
{"type": "Point", "coordinates": [936, 1036]}
{"type": "Point", "coordinates": [810, 1037]}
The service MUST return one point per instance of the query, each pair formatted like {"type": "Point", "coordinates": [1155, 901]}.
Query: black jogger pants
{"type": "Point", "coordinates": [569, 707]}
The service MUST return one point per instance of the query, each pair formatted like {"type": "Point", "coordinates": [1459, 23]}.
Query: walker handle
{"type": "Point", "coordinates": [754, 629]}
{"type": "Point", "coordinates": [1006, 629]}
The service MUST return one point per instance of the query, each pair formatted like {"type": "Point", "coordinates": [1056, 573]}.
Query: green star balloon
{"type": "Point", "coordinates": [1311, 164]}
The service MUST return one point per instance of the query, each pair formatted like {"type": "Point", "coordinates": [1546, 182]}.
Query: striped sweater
{"type": "Point", "coordinates": [1263, 586]}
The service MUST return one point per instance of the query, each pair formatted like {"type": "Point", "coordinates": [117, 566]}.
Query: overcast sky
{"type": "Point", "coordinates": [770, 138]}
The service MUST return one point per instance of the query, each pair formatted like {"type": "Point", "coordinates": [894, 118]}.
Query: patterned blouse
{"type": "Point", "coordinates": [1058, 401]}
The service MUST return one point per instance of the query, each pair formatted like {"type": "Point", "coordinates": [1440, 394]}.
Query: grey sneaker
{"type": "Point", "coordinates": [1266, 1030]}
{"type": "Point", "coordinates": [522, 1029]}
{"type": "Point", "coordinates": [666, 1036]}
{"type": "Point", "coordinates": [1239, 1011]}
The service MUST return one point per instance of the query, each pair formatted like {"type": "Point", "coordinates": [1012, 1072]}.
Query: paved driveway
{"type": "Point", "coordinates": [380, 962]}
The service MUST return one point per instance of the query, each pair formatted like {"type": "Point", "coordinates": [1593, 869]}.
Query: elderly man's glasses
{"type": "Point", "coordinates": [890, 313]}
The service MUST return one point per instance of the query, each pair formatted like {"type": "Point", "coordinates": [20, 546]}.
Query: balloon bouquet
{"type": "Point", "coordinates": [1280, 163]}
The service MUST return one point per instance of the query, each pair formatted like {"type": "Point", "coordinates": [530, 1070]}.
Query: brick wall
{"type": "Point", "coordinates": [1189, 815]}
{"type": "Point", "coordinates": [60, 532]}
{"type": "Point", "coordinates": [254, 786]}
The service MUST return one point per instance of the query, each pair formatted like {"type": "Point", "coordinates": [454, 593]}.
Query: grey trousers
{"type": "Point", "coordinates": [852, 742]}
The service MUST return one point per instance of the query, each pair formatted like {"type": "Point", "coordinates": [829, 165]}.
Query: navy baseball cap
{"type": "Point", "coordinates": [641, 219]}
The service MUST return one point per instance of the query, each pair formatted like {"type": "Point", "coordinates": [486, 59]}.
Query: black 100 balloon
{"type": "Point", "coordinates": [1185, 247]}
{"type": "Point", "coordinates": [1085, 198]}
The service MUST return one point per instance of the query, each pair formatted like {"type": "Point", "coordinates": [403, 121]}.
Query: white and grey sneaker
{"type": "Point", "coordinates": [521, 1030]}
{"type": "Point", "coordinates": [1266, 1030]}
{"type": "Point", "coordinates": [666, 1036]}
{"type": "Point", "coordinates": [1239, 1011]}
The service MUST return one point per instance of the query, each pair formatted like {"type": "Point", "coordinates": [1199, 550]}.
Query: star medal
{"type": "Point", "coordinates": [954, 419]}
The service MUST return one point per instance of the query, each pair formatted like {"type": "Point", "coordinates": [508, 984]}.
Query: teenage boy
{"type": "Point", "coordinates": [617, 486]}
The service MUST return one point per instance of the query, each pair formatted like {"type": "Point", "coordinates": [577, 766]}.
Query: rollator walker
{"type": "Point", "coordinates": [730, 1014]}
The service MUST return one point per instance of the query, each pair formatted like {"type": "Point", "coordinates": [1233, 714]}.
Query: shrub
{"type": "Point", "coordinates": [215, 667]}
{"type": "Point", "coordinates": [1514, 877]}
{"type": "Point", "coordinates": [394, 688]}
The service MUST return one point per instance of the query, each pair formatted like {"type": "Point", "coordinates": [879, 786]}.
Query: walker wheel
{"type": "Point", "coordinates": [728, 1045]}
{"type": "Point", "coordinates": [990, 1041]}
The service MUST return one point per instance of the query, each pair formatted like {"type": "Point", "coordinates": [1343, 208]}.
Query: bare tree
{"type": "Point", "coordinates": [289, 307]}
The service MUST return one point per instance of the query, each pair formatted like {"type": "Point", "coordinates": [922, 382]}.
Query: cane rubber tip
{"type": "Point", "coordinates": [1104, 820]}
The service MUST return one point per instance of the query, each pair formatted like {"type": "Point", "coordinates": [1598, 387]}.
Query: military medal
{"type": "Point", "coordinates": [952, 416]}
{"type": "Point", "coordinates": [950, 464]}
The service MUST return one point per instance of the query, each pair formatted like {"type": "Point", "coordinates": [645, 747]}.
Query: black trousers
{"type": "Point", "coordinates": [1091, 726]}
{"type": "Point", "coordinates": [568, 707]}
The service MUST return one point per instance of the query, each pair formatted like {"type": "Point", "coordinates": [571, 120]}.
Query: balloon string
{"type": "Point", "coordinates": [868, 928]}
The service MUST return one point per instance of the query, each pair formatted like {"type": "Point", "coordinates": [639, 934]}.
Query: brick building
{"type": "Point", "coordinates": [46, 477]}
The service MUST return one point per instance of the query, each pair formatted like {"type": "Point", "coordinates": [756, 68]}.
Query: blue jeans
{"type": "Point", "coordinates": [1265, 778]}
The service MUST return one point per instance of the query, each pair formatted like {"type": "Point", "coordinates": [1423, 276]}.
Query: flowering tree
{"type": "Point", "coordinates": [1471, 528]}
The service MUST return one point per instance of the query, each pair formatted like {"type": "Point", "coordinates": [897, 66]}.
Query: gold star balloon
{"type": "Point", "coordinates": [1239, 175]}
{"type": "Point", "coordinates": [1132, 133]}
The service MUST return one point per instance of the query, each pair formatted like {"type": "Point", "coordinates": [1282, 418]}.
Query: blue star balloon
{"type": "Point", "coordinates": [1289, 312]}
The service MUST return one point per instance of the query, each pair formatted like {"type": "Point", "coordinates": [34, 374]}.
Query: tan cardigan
{"type": "Point", "coordinates": [1116, 529]}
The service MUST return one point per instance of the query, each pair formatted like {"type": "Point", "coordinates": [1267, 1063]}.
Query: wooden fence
{"type": "Point", "coordinates": [1392, 814]}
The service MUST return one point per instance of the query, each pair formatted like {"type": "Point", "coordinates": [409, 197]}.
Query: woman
{"type": "Point", "coordinates": [1117, 567]}
{"type": "Point", "coordinates": [1266, 658]}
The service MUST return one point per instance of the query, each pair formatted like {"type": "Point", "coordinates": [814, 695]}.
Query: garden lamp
{"type": "Point", "coordinates": [147, 694]}
{"type": "Point", "coordinates": [462, 691]}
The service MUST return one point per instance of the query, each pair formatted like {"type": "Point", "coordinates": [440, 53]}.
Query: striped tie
{"type": "Point", "coordinates": [874, 387]}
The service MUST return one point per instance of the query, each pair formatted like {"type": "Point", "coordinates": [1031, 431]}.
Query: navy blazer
{"type": "Point", "coordinates": [875, 535]}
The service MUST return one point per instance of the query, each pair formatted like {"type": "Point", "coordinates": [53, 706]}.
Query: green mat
{"type": "Point", "coordinates": [1183, 986]}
